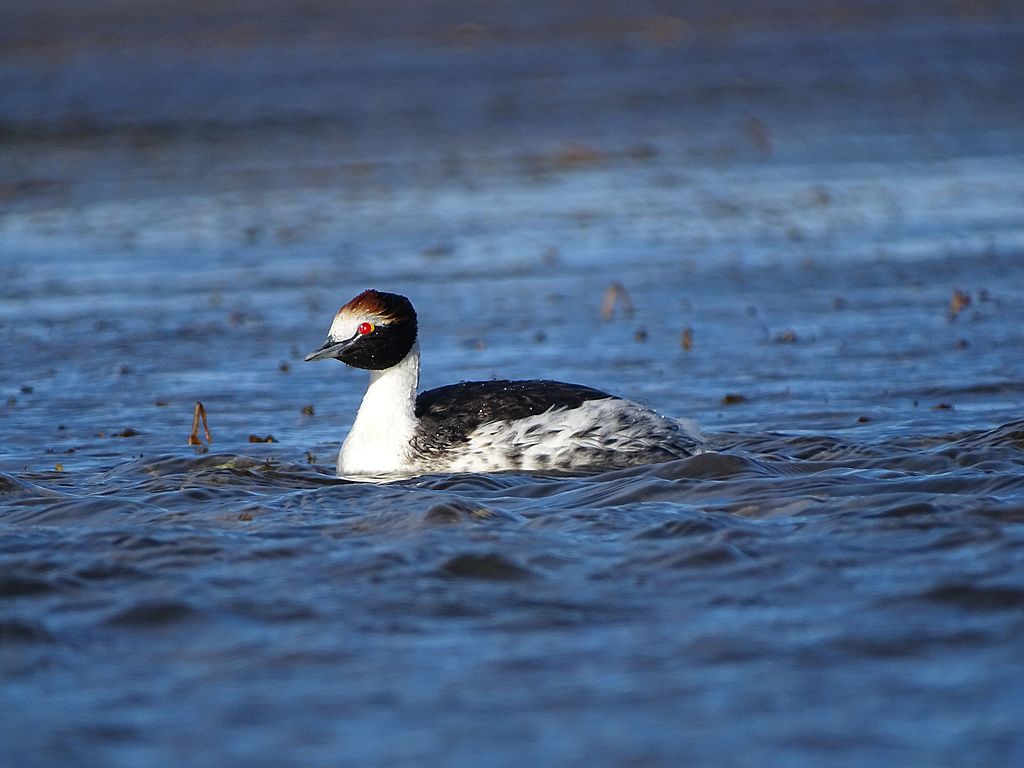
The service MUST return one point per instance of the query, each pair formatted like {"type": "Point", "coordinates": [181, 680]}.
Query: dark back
{"type": "Point", "coordinates": [448, 414]}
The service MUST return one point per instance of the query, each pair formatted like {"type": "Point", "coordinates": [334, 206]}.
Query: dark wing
{"type": "Point", "coordinates": [448, 414]}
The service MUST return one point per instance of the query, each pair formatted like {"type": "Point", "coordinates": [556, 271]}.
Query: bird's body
{"type": "Point", "coordinates": [479, 426]}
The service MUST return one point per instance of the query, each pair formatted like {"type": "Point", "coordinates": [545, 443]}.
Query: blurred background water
{"type": "Point", "coordinates": [815, 210]}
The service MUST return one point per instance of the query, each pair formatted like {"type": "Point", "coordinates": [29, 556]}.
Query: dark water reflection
{"type": "Point", "coordinates": [805, 189]}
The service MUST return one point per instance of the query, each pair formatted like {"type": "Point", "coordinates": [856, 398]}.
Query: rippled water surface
{"type": "Point", "coordinates": [816, 213]}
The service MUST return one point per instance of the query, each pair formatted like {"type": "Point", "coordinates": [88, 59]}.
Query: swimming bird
{"type": "Point", "coordinates": [479, 426]}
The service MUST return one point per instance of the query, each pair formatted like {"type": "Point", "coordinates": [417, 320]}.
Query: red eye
{"type": "Point", "coordinates": [365, 328]}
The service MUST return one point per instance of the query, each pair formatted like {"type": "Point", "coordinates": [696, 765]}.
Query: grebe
{"type": "Point", "coordinates": [479, 426]}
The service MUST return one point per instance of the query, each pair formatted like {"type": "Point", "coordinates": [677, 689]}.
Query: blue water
{"type": "Point", "coordinates": [185, 200]}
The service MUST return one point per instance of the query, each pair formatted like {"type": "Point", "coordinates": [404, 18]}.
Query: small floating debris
{"type": "Point", "coordinates": [58, 467]}
{"type": "Point", "coordinates": [266, 439]}
{"type": "Point", "coordinates": [787, 336]}
{"type": "Point", "coordinates": [126, 432]}
{"type": "Point", "coordinates": [283, 367]}
{"type": "Point", "coordinates": [943, 407]}
{"type": "Point", "coordinates": [199, 416]}
{"type": "Point", "coordinates": [958, 303]}
{"type": "Point", "coordinates": [307, 410]}
{"type": "Point", "coordinates": [616, 296]}
{"type": "Point", "coordinates": [686, 341]}
{"type": "Point", "coordinates": [733, 399]}
{"type": "Point", "coordinates": [640, 334]}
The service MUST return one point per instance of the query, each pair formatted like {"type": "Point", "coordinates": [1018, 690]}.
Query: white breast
{"type": "Point", "coordinates": [380, 438]}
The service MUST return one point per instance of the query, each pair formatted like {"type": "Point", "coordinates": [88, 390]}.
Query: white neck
{"type": "Point", "coordinates": [378, 442]}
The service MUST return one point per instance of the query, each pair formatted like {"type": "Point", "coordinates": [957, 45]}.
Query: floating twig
{"type": "Point", "coordinates": [199, 416]}
{"type": "Point", "coordinates": [958, 303]}
{"type": "Point", "coordinates": [614, 295]}
{"type": "Point", "coordinates": [686, 342]}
